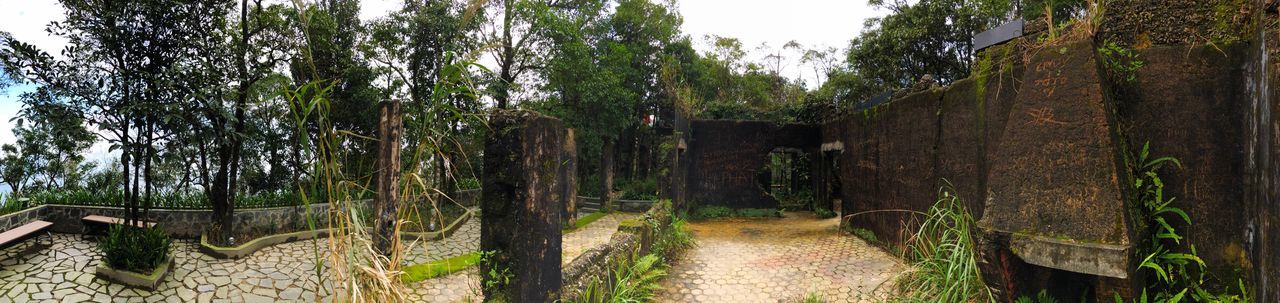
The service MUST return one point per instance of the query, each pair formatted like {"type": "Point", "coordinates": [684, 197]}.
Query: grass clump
{"type": "Point", "coordinates": [139, 250]}
{"type": "Point", "coordinates": [712, 212]}
{"type": "Point", "coordinates": [942, 253]}
{"type": "Point", "coordinates": [439, 268]}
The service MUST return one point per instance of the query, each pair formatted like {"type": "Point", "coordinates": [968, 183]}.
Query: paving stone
{"type": "Point", "coordinates": [777, 260]}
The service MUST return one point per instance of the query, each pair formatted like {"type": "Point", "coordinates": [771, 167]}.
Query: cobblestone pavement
{"type": "Point", "coordinates": [466, 239]}
{"type": "Point", "coordinates": [285, 272]}
{"type": "Point", "coordinates": [64, 273]}
{"type": "Point", "coordinates": [465, 285]}
{"type": "Point", "coordinates": [778, 260]}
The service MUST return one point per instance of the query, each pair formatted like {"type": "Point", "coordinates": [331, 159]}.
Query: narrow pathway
{"type": "Point", "coordinates": [464, 286]}
{"type": "Point", "coordinates": [778, 260]}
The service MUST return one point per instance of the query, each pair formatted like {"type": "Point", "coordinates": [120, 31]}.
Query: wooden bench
{"type": "Point", "coordinates": [98, 225]}
{"type": "Point", "coordinates": [22, 233]}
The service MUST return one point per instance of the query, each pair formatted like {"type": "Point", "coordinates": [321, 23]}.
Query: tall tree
{"type": "Point", "coordinates": [925, 37]}
{"type": "Point", "coordinates": [125, 70]}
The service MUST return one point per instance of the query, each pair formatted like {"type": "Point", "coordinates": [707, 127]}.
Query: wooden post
{"type": "Point", "coordinates": [387, 195]}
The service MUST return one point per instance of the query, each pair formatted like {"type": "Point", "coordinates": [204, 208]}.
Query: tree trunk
{"type": "Point", "coordinates": [387, 197]}
{"type": "Point", "coordinates": [606, 175]}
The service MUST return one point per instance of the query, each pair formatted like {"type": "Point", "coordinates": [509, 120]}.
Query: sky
{"type": "Point", "coordinates": [815, 24]}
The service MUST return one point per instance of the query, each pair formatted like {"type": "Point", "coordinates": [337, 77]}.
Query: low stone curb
{"type": "Point", "coordinates": [438, 235]}
{"type": "Point", "coordinates": [134, 279]}
{"type": "Point", "coordinates": [246, 249]}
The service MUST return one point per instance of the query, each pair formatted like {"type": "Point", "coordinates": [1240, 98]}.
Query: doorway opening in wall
{"type": "Point", "coordinates": [830, 182]}
{"type": "Point", "coordinates": [786, 176]}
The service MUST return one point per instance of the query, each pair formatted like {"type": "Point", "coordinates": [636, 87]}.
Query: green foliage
{"type": "Point", "coordinates": [9, 203]}
{"type": "Point", "coordinates": [643, 189]}
{"type": "Point", "coordinates": [134, 249]}
{"type": "Point", "coordinates": [468, 183]}
{"type": "Point", "coordinates": [944, 256]}
{"type": "Point", "coordinates": [824, 213]}
{"type": "Point", "coordinates": [716, 211]}
{"type": "Point", "coordinates": [1178, 274]}
{"type": "Point", "coordinates": [865, 234]}
{"type": "Point", "coordinates": [1122, 63]}
{"type": "Point", "coordinates": [438, 268]}
{"type": "Point", "coordinates": [635, 282]}
{"type": "Point", "coordinates": [797, 200]}
{"type": "Point", "coordinates": [924, 37]}
{"type": "Point", "coordinates": [1042, 297]}
{"type": "Point", "coordinates": [813, 298]}
{"type": "Point", "coordinates": [673, 239]}
{"type": "Point", "coordinates": [712, 212]}
{"type": "Point", "coordinates": [166, 200]}
{"type": "Point", "coordinates": [497, 277]}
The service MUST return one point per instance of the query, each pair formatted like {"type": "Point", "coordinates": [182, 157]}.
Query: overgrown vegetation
{"type": "Point", "coordinates": [166, 200]}
{"type": "Point", "coordinates": [944, 266]}
{"type": "Point", "coordinates": [632, 282]}
{"type": "Point", "coordinates": [134, 249]}
{"type": "Point", "coordinates": [642, 189]}
{"type": "Point", "coordinates": [1176, 273]}
{"type": "Point", "coordinates": [716, 212]}
{"type": "Point", "coordinates": [1122, 63]}
{"type": "Point", "coordinates": [580, 222]}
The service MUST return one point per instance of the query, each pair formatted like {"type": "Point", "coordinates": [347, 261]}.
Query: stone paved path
{"type": "Point", "coordinates": [778, 260]}
{"type": "Point", "coordinates": [285, 272]}
{"type": "Point", "coordinates": [464, 286]}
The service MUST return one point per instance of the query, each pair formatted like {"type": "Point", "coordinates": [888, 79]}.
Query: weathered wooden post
{"type": "Point", "coordinates": [520, 206]}
{"type": "Point", "coordinates": [387, 195]}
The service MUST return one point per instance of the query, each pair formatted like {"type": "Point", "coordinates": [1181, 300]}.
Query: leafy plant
{"type": "Point", "coordinates": [468, 183]}
{"type": "Point", "coordinates": [712, 212]}
{"type": "Point", "coordinates": [942, 254]}
{"type": "Point", "coordinates": [1042, 297]}
{"type": "Point", "coordinates": [1178, 274]}
{"type": "Point", "coordinates": [1121, 62]}
{"type": "Point", "coordinates": [673, 238]}
{"type": "Point", "coordinates": [823, 212]}
{"type": "Point", "coordinates": [643, 189]}
{"type": "Point", "coordinates": [134, 249]}
{"type": "Point", "coordinates": [865, 234]}
{"type": "Point", "coordinates": [634, 282]}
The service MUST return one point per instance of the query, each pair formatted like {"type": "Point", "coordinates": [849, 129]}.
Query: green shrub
{"type": "Point", "coordinates": [712, 212]}
{"type": "Point", "coordinates": [673, 239]}
{"type": "Point", "coordinates": [11, 204]}
{"type": "Point", "coordinates": [865, 234]}
{"type": "Point", "coordinates": [164, 200]}
{"type": "Point", "coordinates": [468, 183]}
{"type": "Point", "coordinates": [823, 212]}
{"type": "Point", "coordinates": [943, 254]}
{"type": "Point", "coordinates": [1178, 273]}
{"type": "Point", "coordinates": [643, 189]}
{"type": "Point", "coordinates": [134, 249]}
{"type": "Point", "coordinates": [634, 282]}
{"type": "Point", "coordinates": [758, 213]}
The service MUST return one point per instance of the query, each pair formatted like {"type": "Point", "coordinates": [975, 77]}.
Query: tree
{"type": "Point", "coordinates": [127, 69]}
{"type": "Point", "coordinates": [52, 138]}
{"type": "Point", "coordinates": [520, 32]}
{"type": "Point", "coordinates": [926, 37]}
{"type": "Point", "coordinates": [15, 170]}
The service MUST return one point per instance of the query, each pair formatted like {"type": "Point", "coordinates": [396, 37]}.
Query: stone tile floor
{"type": "Point", "coordinates": [778, 260]}
{"type": "Point", "coordinates": [280, 273]}
{"type": "Point", "coordinates": [464, 286]}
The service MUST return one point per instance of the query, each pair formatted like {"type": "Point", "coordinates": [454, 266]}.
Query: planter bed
{"type": "Point", "coordinates": [252, 246]}
{"type": "Point", "coordinates": [134, 279]}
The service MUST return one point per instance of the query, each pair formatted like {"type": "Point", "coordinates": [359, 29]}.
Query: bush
{"type": "Point", "coordinates": [644, 189]}
{"type": "Point", "coordinates": [134, 249]}
{"type": "Point", "coordinates": [673, 239]}
{"type": "Point", "coordinates": [712, 212]}
{"type": "Point", "coordinates": [167, 200]}
{"type": "Point", "coordinates": [823, 212]}
{"type": "Point", "coordinates": [944, 257]}
{"type": "Point", "coordinates": [468, 183]}
{"type": "Point", "coordinates": [716, 211]}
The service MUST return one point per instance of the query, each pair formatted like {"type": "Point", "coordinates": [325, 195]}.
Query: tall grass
{"type": "Point", "coordinates": [943, 257]}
